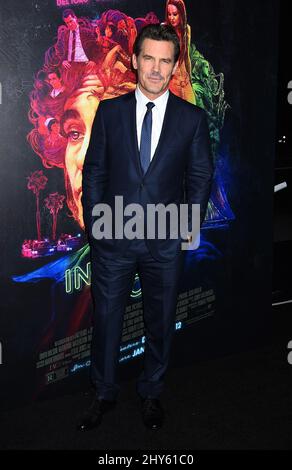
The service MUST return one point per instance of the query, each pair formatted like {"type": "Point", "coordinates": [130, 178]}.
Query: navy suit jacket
{"type": "Point", "coordinates": [180, 171]}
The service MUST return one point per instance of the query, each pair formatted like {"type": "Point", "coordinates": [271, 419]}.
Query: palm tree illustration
{"type": "Point", "coordinates": [37, 182]}
{"type": "Point", "coordinates": [54, 202]}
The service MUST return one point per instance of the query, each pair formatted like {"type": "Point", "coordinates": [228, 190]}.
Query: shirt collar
{"type": "Point", "coordinates": [77, 29]}
{"type": "Point", "coordinates": [142, 100]}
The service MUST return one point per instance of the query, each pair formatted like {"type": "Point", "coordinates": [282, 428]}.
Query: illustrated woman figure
{"type": "Point", "coordinates": [175, 15]}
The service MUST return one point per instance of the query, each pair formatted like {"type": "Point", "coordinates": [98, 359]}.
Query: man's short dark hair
{"type": "Point", "coordinates": [68, 12]}
{"type": "Point", "coordinates": [158, 32]}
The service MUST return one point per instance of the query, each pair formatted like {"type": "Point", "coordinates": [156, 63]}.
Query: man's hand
{"type": "Point", "coordinates": [66, 64]}
{"type": "Point", "coordinates": [98, 34]}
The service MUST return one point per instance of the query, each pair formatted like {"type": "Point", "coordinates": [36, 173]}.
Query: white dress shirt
{"type": "Point", "coordinates": [158, 113]}
{"type": "Point", "coordinates": [80, 55]}
{"type": "Point", "coordinates": [56, 91]}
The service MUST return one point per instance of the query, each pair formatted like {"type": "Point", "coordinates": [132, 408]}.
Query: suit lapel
{"type": "Point", "coordinates": [128, 117]}
{"type": "Point", "coordinates": [169, 127]}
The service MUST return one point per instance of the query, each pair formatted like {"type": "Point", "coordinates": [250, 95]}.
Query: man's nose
{"type": "Point", "coordinates": [80, 161]}
{"type": "Point", "coordinates": [156, 66]}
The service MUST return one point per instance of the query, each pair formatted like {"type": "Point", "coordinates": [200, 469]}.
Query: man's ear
{"type": "Point", "coordinates": [134, 61]}
{"type": "Point", "coordinates": [175, 68]}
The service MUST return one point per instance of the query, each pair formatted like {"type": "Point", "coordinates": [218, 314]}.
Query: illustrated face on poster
{"type": "Point", "coordinates": [54, 80]}
{"type": "Point", "coordinates": [71, 22]}
{"type": "Point", "coordinates": [173, 15]}
{"type": "Point", "coordinates": [76, 121]}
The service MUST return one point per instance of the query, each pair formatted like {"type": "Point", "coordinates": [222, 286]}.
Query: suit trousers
{"type": "Point", "coordinates": [112, 282]}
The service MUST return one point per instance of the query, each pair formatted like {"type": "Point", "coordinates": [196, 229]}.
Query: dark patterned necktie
{"type": "Point", "coordinates": [145, 143]}
{"type": "Point", "coordinates": [73, 46]}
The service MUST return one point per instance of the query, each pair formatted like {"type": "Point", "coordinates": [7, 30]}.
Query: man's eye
{"type": "Point", "coordinates": [74, 136]}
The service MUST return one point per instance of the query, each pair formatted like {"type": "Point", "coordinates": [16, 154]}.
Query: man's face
{"type": "Point", "coordinates": [71, 22]}
{"type": "Point", "coordinates": [155, 66]}
{"type": "Point", "coordinates": [54, 81]}
{"type": "Point", "coordinates": [77, 129]}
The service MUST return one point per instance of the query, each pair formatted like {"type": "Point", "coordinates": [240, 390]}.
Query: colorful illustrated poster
{"type": "Point", "coordinates": [52, 85]}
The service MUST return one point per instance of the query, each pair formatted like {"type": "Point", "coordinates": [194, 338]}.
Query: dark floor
{"type": "Point", "coordinates": [241, 401]}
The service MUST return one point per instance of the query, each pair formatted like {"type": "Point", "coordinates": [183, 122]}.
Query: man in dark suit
{"type": "Point", "coordinates": [76, 42]}
{"type": "Point", "coordinates": [150, 147]}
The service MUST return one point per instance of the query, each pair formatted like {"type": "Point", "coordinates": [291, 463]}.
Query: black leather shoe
{"type": "Point", "coordinates": [152, 413]}
{"type": "Point", "coordinates": [93, 416]}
